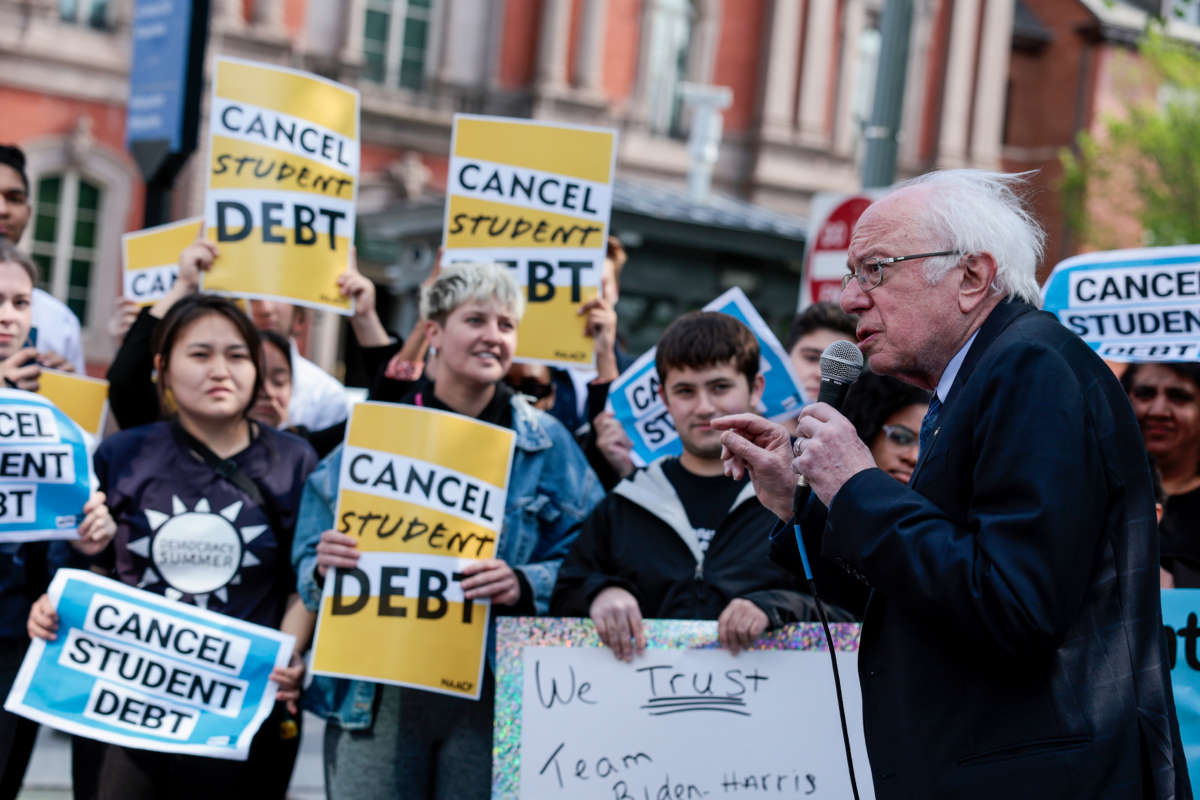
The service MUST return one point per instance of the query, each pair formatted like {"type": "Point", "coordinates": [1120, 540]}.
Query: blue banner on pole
{"type": "Point", "coordinates": [45, 470]}
{"type": "Point", "coordinates": [1181, 612]}
{"type": "Point", "coordinates": [1131, 305]}
{"type": "Point", "coordinates": [635, 402]}
{"type": "Point", "coordinates": [158, 72]}
{"type": "Point", "coordinates": [132, 668]}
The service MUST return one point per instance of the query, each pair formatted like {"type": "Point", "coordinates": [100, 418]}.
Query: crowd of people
{"type": "Point", "coordinates": [217, 408]}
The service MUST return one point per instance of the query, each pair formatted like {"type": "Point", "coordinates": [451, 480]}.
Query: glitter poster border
{"type": "Point", "coordinates": [514, 634]}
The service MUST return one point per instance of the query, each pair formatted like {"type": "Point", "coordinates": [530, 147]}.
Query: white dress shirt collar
{"type": "Point", "coordinates": [951, 371]}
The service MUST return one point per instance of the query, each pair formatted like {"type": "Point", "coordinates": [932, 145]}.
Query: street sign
{"type": "Point", "coordinates": [832, 221]}
{"type": "Point", "coordinates": [165, 77]}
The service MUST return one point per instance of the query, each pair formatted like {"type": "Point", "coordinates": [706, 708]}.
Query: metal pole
{"type": "Point", "coordinates": [879, 163]}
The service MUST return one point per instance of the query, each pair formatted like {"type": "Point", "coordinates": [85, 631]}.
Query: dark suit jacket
{"type": "Point", "coordinates": [1013, 643]}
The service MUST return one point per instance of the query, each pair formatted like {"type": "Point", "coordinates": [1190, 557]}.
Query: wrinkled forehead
{"type": "Point", "coordinates": [891, 226]}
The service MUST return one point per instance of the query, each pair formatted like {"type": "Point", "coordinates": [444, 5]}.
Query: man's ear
{"type": "Point", "coordinates": [979, 270]}
{"type": "Point", "coordinates": [756, 391]}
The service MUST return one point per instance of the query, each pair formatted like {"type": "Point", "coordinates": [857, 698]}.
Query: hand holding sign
{"type": "Point", "coordinates": [740, 624]}
{"type": "Point", "coordinates": [368, 330]}
{"type": "Point", "coordinates": [618, 621]}
{"type": "Point", "coordinates": [600, 324]}
{"type": "Point", "coordinates": [43, 620]}
{"type": "Point", "coordinates": [21, 369]}
{"type": "Point", "coordinates": [198, 257]}
{"type": "Point", "coordinates": [289, 679]}
{"type": "Point", "coordinates": [336, 550]}
{"type": "Point", "coordinates": [491, 579]}
{"type": "Point", "coordinates": [97, 528]}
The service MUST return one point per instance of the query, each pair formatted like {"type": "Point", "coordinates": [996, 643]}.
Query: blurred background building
{"type": "Point", "coordinates": [989, 83]}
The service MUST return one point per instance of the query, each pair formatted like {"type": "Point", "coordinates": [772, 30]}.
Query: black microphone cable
{"type": "Point", "coordinates": [802, 492]}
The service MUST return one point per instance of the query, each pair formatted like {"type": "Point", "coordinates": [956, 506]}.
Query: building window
{"type": "Point", "coordinates": [671, 30]}
{"type": "Point", "coordinates": [396, 41]}
{"type": "Point", "coordinates": [93, 13]}
{"type": "Point", "coordinates": [66, 213]}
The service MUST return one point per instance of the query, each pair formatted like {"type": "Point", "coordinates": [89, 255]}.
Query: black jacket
{"type": "Point", "coordinates": [639, 538]}
{"type": "Point", "coordinates": [1013, 644]}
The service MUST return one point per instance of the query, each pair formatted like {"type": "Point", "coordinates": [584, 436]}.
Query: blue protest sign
{"type": "Point", "coordinates": [1180, 610]}
{"type": "Point", "coordinates": [45, 470]}
{"type": "Point", "coordinates": [1131, 305]}
{"type": "Point", "coordinates": [634, 400]}
{"type": "Point", "coordinates": [132, 668]}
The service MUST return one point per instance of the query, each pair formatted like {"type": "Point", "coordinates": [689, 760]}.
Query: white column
{"type": "Point", "coordinates": [853, 20]}
{"type": "Point", "coordinates": [268, 15]}
{"type": "Point", "coordinates": [640, 109]}
{"type": "Point", "coordinates": [960, 79]}
{"type": "Point", "coordinates": [779, 90]}
{"type": "Point", "coordinates": [552, 45]}
{"type": "Point", "coordinates": [228, 13]}
{"type": "Point", "coordinates": [356, 19]}
{"type": "Point", "coordinates": [987, 127]}
{"type": "Point", "coordinates": [702, 56]}
{"type": "Point", "coordinates": [589, 50]}
{"type": "Point", "coordinates": [814, 76]}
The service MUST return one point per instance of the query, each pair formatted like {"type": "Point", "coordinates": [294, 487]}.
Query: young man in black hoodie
{"type": "Point", "coordinates": [678, 539]}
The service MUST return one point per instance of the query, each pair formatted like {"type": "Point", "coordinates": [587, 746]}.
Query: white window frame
{"type": "Point", "coordinates": [665, 76]}
{"type": "Point", "coordinates": [83, 13]}
{"type": "Point", "coordinates": [394, 47]}
{"type": "Point", "coordinates": [64, 233]}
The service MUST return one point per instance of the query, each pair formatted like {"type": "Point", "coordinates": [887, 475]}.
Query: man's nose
{"type": "Point", "coordinates": [854, 298]}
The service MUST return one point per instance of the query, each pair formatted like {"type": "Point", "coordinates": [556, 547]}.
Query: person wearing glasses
{"type": "Point", "coordinates": [1013, 639]}
{"type": "Point", "coordinates": [1166, 401]}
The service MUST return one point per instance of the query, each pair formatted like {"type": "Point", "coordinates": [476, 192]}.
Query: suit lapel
{"type": "Point", "coordinates": [1001, 317]}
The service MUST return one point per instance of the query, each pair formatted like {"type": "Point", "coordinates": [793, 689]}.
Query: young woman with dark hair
{"type": "Point", "coordinates": [210, 477]}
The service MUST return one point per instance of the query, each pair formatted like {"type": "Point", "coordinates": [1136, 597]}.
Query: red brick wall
{"type": "Point", "coordinates": [518, 51]}
{"type": "Point", "coordinates": [29, 116]}
{"type": "Point", "coordinates": [621, 43]}
{"type": "Point", "coordinates": [1053, 93]}
{"type": "Point", "coordinates": [376, 158]}
{"type": "Point", "coordinates": [738, 56]}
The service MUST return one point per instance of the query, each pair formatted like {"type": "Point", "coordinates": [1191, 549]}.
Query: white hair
{"type": "Point", "coordinates": [974, 211]}
{"type": "Point", "coordinates": [466, 282]}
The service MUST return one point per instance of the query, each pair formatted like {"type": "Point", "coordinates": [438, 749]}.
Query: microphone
{"type": "Point", "coordinates": [841, 364]}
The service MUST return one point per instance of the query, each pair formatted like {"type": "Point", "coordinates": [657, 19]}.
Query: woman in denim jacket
{"type": "Point", "coordinates": [388, 741]}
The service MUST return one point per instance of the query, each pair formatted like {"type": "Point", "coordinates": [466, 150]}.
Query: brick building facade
{"type": "Point", "coordinates": [801, 74]}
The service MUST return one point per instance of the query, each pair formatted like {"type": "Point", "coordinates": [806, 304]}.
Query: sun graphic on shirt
{"type": "Point", "coordinates": [196, 552]}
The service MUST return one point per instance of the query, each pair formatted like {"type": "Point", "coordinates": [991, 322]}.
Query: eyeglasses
{"type": "Point", "coordinates": [533, 388]}
{"type": "Point", "coordinates": [870, 274]}
{"type": "Point", "coordinates": [900, 435]}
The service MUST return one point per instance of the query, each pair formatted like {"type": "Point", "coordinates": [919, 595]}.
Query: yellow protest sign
{"type": "Point", "coordinates": [537, 197]}
{"type": "Point", "coordinates": [151, 258]}
{"type": "Point", "coordinates": [82, 398]}
{"type": "Point", "coordinates": [424, 492]}
{"type": "Point", "coordinates": [282, 184]}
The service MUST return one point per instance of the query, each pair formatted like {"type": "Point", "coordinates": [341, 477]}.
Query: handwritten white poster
{"type": "Point", "coordinates": [683, 720]}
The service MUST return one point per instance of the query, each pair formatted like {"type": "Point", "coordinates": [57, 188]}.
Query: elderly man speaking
{"type": "Point", "coordinates": [1012, 646]}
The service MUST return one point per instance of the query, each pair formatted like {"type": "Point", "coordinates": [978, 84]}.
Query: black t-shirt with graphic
{"type": "Point", "coordinates": [706, 499]}
{"type": "Point", "coordinates": [187, 533]}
